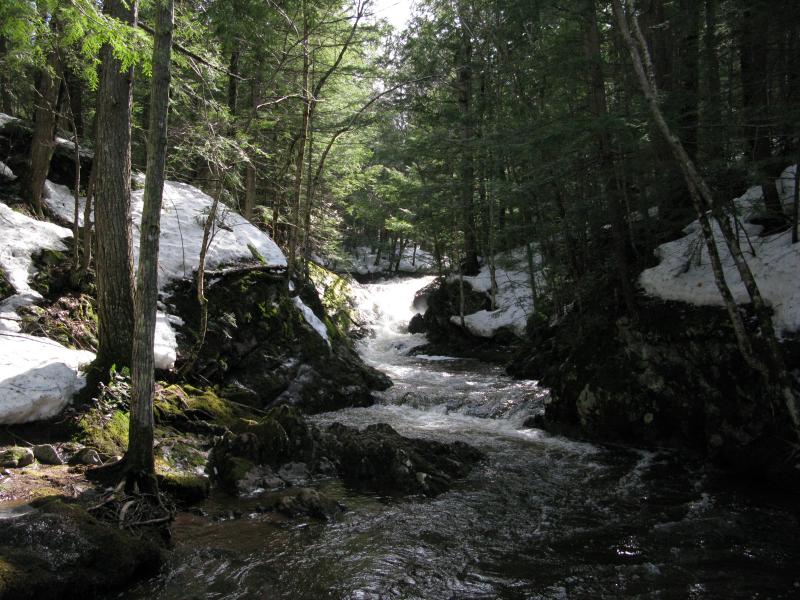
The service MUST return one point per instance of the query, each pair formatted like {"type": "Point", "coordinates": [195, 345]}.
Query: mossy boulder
{"type": "Point", "coordinates": [16, 457]}
{"type": "Point", "coordinates": [61, 552]}
{"type": "Point", "coordinates": [107, 432]}
{"type": "Point", "coordinates": [260, 350]}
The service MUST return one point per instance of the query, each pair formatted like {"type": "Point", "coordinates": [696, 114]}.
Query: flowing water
{"type": "Point", "coordinates": [541, 517]}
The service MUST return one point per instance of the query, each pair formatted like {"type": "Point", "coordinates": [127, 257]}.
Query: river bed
{"type": "Point", "coordinates": [543, 517]}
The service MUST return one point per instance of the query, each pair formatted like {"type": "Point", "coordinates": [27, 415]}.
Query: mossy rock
{"type": "Point", "coordinates": [187, 488]}
{"type": "Point", "coordinates": [16, 457]}
{"type": "Point", "coordinates": [108, 434]}
{"type": "Point", "coordinates": [62, 552]}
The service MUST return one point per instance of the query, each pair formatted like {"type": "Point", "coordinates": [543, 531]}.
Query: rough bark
{"type": "Point", "coordinates": [294, 233]}
{"type": "Point", "coordinates": [469, 264]}
{"type": "Point", "coordinates": [114, 258]}
{"type": "Point", "coordinates": [139, 457]}
{"type": "Point", "coordinates": [609, 186]}
{"type": "Point", "coordinates": [44, 128]}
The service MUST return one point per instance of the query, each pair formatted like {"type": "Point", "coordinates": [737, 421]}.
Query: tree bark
{"type": "Point", "coordinates": [713, 117]}
{"type": "Point", "coordinates": [44, 128]}
{"type": "Point", "coordinates": [114, 259]}
{"type": "Point", "coordinates": [139, 457]}
{"type": "Point", "coordinates": [469, 264]}
{"type": "Point", "coordinates": [294, 232]}
{"type": "Point", "coordinates": [609, 186]}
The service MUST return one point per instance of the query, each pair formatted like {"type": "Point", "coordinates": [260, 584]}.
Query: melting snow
{"type": "Point", "coordinates": [312, 319]}
{"type": "Point", "coordinates": [684, 271]}
{"type": "Point", "coordinates": [513, 299]}
{"type": "Point", "coordinates": [6, 172]}
{"type": "Point", "coordinates": [183, 213]}
{"type": "Point", "coordinates": [38, 377]}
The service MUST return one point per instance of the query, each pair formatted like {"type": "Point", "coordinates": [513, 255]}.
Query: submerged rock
{"type": "Point", "coordinates": [60, 551]}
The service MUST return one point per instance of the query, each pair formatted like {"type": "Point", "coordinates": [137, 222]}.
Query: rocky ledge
{"type": "Point", "coordinates": [673, 378]}
{"type": "Point", "coordinates": [282, 449]}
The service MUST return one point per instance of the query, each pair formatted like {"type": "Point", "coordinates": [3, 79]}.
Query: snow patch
{"type": "Point", "coordinates": [362, 261]}
{"type": "Point", "coordinates": [5, 119]}
{"type": "Point", "coordinates": [20, 238]}
{"type": "Point", "coordinates": [6, 172]}
{"type": "Point", "coordinates": [183, 213]}
{"type": "Point", "coordinates": [312, 319]}
{"type": "Point", "coordinates": [513, 299]}
{"type": "Point", "coordinates": [684, 271]}
{"type": "Point", "coordinates": [38, 377]}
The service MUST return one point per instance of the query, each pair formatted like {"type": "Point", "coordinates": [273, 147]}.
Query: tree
{"type": "Point", "coordinates": [112, 193]}
{"type": "Point", "coordinates": [139, 457]}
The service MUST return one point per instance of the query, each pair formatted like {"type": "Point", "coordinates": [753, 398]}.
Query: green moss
{"type": "Point", "coordinates": [212, 406]}
{"type": "Point", "coordinates": [107, 434]}
{"type": "Point", "coordinates": [185, 487]}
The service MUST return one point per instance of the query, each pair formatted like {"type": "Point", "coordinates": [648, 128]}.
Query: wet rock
{"type": "Point", "coordinates": [86, 456]}
{"type": "Point", "coordinates": [383, 460]}
{"type": "Point", "coordinates": [260, 348]}
{"type": "Point", "coordinates": [187, 488]}
{"type": "Point", "coordinates": [259, 478]}
{"type": "Point", "coordinates": [306, 501]}
{"type": "Point", "coordinates": [60, 551]}
{"type": "Point", "coordinates": [377, 457]}
{"type": "Point", "coordinates": [16, 457]}
{"type": "Point", "coordinates": [417, 324]}
{"type": "Point", "coordinates": [295, 473]}
{"type": "Point", "coordinates": [47, 455]}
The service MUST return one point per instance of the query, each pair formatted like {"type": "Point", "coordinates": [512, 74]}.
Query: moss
{"type": "Point", "coordinates": [183, 486]}
{"type": "Point", "coordinates": [169, 403]}
{"type": "Point", "coordinates": [107, 434]}
{"type": "Point", "coordinates": [71, 320]}
{"type": "Point", "coordinates": [212, 406]}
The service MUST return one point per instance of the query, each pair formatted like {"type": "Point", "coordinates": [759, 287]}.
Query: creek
{"type": "Point", "coordinates": [541, 517]}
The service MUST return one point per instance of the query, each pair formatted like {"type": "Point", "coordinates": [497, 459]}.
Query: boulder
{"type": "Point", "coordinates": [47, 455]}
{"type": "Point", "coordinates": [60, 551]}
{"type": "Point", "coordinates": [16, 457]}
{"type": "Point", "coordinates": [86, 456]}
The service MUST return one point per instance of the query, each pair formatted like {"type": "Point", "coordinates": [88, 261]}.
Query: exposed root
{"type": "Point", "coordinates": [133, 510]}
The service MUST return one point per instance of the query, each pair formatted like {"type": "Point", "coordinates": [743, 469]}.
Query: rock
{"type": "Point", "coordinates": [47, 455]}
{"type": "Point", "coordinates": [295, 473]}
{"type": "Point", "coordinates": [381, 459]}
{"type": "Point", "coordinates": [259, 477]}
{"type": "Point", "coordinates": [306, 501]}
{"type": "Point", "coordinates": [86, 456]}
{"type": "Point", "coordinates": [187, 488]}
{"type": "Point", "coordinates": [417, 324]}
{"type": "Point", "coordinates": [377, 457]}
{"type": "Point", "coordinates": [261, 348]}
{"type": "Point", "coordinates": [60, 551]}
{"type": "Point", "coordinates": [16, 457]}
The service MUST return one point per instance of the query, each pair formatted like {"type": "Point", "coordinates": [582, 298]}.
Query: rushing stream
{"type": "Point", "coordinates": [542, 517]}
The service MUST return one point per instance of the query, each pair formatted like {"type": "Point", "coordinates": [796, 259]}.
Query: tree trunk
{"type": "Point", "coordinates": [294, 233]}
{"type": "Point", "coordinates": [44, 128]}
{"type": "Point", "coordinates": [469, 264]}
{"type": "Point", "coordinates": [609, 186]}
{"type": "Point", "coordinates": [139, 457]}
{"type": "Point", "coordinates": [114, 259]}
{"type": "Point", "coordinates": [233, 80]}
{"type": "Point", "coordinates": [713, 118]}
{"type": "Point", "coordinates": [688, 80]}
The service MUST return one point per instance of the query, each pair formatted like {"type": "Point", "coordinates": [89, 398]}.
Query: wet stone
{"type": "Point", "coordinates": [47, 455]}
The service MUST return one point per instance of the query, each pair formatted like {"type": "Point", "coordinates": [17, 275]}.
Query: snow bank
{"type": "Point", "coordinates": [4, 119]}
{"type": "Point", "coordinates": [38, 377]}
{"type": "Point", "coordinates": [312, 319]}
{"type": "Point", "coordinates": [183, 213]}
{"type": "Point", "coordinates": [514, 300]}
{"type": "Point", "coordinates": [684, 271]}
{"type": "Point", "coordinates": [20, 238]}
